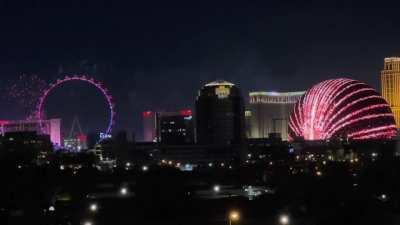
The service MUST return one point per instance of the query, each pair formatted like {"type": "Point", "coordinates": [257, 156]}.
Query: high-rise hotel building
{"type": "Point", "coordinates": [220, 114]}
{"type": "Point", "coordinates": [268, 113]}
{"type": "Point", "coordinates": [390, 85]}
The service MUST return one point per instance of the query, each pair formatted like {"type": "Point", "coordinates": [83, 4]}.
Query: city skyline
{"type": "Point", "coordinates": [135, 127]}
{"type": "Point", "coordinates": [304, 45]}
{"type": "Point", "coordinates": [249, 113]}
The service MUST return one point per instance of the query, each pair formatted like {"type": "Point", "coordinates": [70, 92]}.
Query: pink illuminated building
{"type": "Point", "coordinates": [149, 126]}
{"type": "Point", "coordinates": [51, 127]}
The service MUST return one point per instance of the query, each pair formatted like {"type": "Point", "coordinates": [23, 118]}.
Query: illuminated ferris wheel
{"type": "Point", "coordinates": [99, 86]}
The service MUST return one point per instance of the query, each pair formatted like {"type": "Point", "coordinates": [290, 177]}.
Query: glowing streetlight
{"type": "Point", "coordinates": [87, 223]}
{"type": "Point", "coordinates": [123, 191]}
{"type": "Point", "coordinates": [216, 188]}
{"type": "Point", "coordinates": [234, 216]}
{"type": "Point", "coordinates": [145, 168]}
{"type": "Point", "coordinates": [383, 197]}
{"type": "Point", "coordinates": [93, 207]}
{"type": "Point", "coordinates": [284, 219]}
{"type": "Point", "coordinates": [52, 209]}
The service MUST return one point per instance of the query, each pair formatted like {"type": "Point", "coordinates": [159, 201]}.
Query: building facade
{"type": "Point", "coordinates": [220, 114]}
{"type": "Point", "coordinates": [168, 127]}
{"type": "Point", "coordinates": [175, 128]}
{"type": "Point", "coordinates": [51, 127]}
{"type": "Point", "coordinates": [390, 85]}
{"type": "Point", "coordinates": [268, 113]}
{"type": "Point", "coordinates": [149, 126]}
{"type": "Point", "coordinates": [77, 143]}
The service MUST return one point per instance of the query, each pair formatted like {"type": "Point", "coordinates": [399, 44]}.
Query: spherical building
{"type": "Point", "coordinates": [219, 114]}
{"type": "Point", "coordinates": [341, 108]}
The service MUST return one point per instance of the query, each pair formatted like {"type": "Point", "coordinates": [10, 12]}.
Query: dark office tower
{"type": "Point", "coordinates": [175, 128]}
{"type": "Point", "coordinates": [219, 114]}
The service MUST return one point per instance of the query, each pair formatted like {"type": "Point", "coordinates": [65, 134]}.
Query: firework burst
{"type": "Point", "coordinates": [24, 92]}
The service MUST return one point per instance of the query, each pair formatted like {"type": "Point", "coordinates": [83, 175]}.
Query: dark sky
{"type": "Point", "coordinates": [156, 56]}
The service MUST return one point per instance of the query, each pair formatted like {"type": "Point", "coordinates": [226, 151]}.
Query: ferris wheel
{"type": "Point", "coordinates": [99, 86]}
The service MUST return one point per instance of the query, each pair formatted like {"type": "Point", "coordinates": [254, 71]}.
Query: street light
{"type": "Point", "coordinates": [123, 191]}
{"type": "Point", "coordinates": [284, 219]}
{"type": "Point", "coordinates": [216, 188]}
{"type": "Point", "coordinates": [234, 216]}
{"type": "Point", "coordinates": [93, 207]}
{"type": "Point", "coordinates": [87, 223]}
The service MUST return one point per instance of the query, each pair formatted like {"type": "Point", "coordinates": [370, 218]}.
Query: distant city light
{"type": "Point", "coordinates": [234, 216]}
{"type": "Point", "coordinates": [52, 209]}
{"type": "Point", "coordinates": [123, 191]}
{"type": "Point", "coordinates": [62, 167]}
{"type": "Point", "coordinates": [216, 188]}
{"type": "Point", "coordinates": [145, 168]}
{"type": "Point", "coordinates": [93, 207]}
{"type": "Point", "coordinates": [284, 219]}
{"type": "Point", "coordinates": [87, 223]}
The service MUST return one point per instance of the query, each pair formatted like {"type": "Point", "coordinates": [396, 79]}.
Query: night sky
{"type": "Point", "coordinates": [156, 56]}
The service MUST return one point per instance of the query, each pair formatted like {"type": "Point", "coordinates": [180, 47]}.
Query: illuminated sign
{"type": "Point", "coordinates": [147, 114]}
{"type": "Point", "coordinates": [222, 91]}
{"type": "Point", "coordinates": [186, 112]}
{"type": "Point", "coordinates": [104, 136]}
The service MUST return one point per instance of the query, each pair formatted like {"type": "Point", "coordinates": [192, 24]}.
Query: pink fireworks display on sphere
{"type": "Point", "coordinates": [341, 108]}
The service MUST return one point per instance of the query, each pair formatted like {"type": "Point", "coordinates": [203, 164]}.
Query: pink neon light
{"type": "Point", "coordinates": [3, 122]}
{"type": "Point", "coordinates": [363, 133]}
{"type": "Point", "coordinates": [341, 108]}
{"type": "Point", "coordinates": [98, 85]}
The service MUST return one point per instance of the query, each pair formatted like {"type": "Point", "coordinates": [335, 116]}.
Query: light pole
{"type": "Point", "coordinates": [234, 216]}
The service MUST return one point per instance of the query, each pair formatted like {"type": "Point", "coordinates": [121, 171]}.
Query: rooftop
{"type": "Point", "coordinates": [218, 83]}
{"type": "Point", "coordinates": [392, 59]}
{"type": "Point", "coordinates": [274, 93]}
